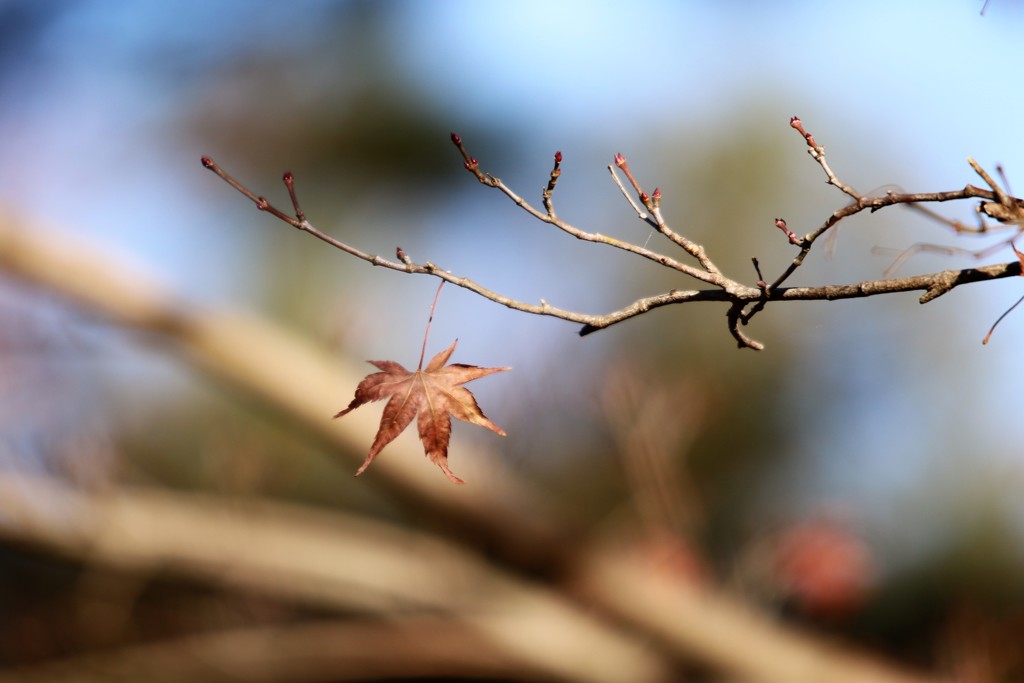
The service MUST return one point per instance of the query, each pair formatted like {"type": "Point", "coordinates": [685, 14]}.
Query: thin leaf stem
{"type": "Point", "coordinates": [426, 333]}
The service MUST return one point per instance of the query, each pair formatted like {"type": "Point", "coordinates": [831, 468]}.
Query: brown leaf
{"type": "Point", "coordinates": [434, 393]}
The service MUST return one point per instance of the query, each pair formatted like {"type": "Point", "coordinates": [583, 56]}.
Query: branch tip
{"type": "Point", "coordinates": [553, 177]}
{"type": "Point", "coordinates": [289, 182]}
{"type": "Point", "coordinates": [992, 329]}
{"type": "Point", "coordinates": [798, 126]}
{"type": "Point", "coordinates": [781, 225]}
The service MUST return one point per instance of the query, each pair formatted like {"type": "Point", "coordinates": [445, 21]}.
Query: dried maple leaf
{"type": "Point", "coordinates": [434, 393]}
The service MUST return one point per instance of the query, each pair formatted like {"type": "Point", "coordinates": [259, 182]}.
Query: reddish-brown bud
{"type": "Point", "coordinates": [644, 198]}
{"type": "Point", "coordinates": [558, 157]}
{"type": "Point", "coordinates": [456, 139]}
{"type": "Point", "coordinates": [262, 204]}
{"type": "Point", "coordinates": [288, 178]}
{"type": "Point", "coordinates": [781, 225]}
{"type": "Point", "coordinates": [620, 160]}
{"type": "Point", "coordinates": [799, 127]}
{"type": "Point", "coordinates": [207, 162]}
{"type": "Point", "coordinates": [657, 194]}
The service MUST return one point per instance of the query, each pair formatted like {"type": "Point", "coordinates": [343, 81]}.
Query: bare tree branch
{"type": "Point", "coordinates": [745, 300]}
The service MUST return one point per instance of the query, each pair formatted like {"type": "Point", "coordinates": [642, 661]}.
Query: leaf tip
{"type": "Point", "coordinates": [366, 463]}
{"type": "Point", "coordinates": [451, 476]}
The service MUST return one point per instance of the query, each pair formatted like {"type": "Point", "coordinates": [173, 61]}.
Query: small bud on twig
{"type": "Point", "coordinates": [620, 161]}
{"type": "Point", "coordinates": [471, 163]}
{"type": "Point", "coordinates": [555, 174]}
{"type": "Point", "coordinates": [761, 284]}
{"type": "Point", "coordinates": [781, 225]}
{"type": "Point", "coordinates": [400, 253]}
{"type": "Point", "coordinates": [261, 202]}
{"type": "Point", "coordinates": [798, 125]}
{"type": "Point", "coordinates": [645, 199]}
{"type": "Point", "coordinates": [289, 182]}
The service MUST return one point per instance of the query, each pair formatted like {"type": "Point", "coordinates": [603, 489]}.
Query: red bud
{"type": "Point", "coordinates": [558, 157]}
{"type": "Point", "coordinates": [456, 139]}
{"type": "Point", "coordinates": [620, 160]}
{"type": "Point", "coordinates": [207, 162]}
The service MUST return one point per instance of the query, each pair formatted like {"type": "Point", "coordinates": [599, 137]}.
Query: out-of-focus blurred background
{"type": "Point", "coordinates": [859, 479]}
